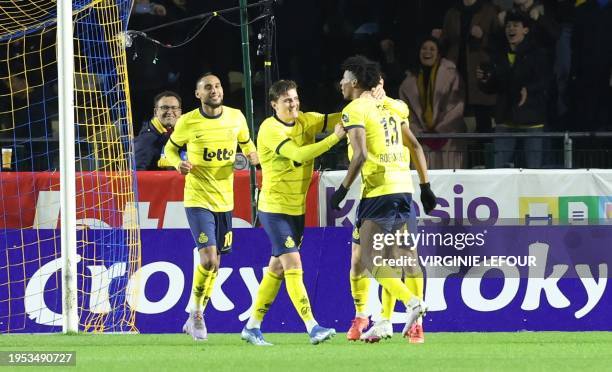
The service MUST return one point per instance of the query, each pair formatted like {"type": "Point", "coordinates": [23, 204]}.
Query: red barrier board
{"type": "Point", "coordinates": [20, 193]}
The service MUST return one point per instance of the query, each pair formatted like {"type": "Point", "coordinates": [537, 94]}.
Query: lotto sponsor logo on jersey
{"type": "Point", "coordinates": [219, 154]}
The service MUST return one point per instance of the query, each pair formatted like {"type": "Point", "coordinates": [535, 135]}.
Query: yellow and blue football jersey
{"type": "Point", "coordinates": [387, 167]}
{"type": "Point", "coordinates": [211, 149]}
{"type": "Point", "coordinates": [284, 181]}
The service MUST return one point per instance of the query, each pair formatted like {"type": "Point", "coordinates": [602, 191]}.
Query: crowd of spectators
{"type": "Point", "coordinates": [456, 63]}
{"type": "Point", "coordinates": [452, 61]}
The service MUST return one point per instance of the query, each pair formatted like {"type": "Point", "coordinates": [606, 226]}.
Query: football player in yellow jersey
{"type": "Point", "coordinates": [286, 148]}
{"type": "Point", "coordinates": [377, 136]}
{"type": "Point", "coordinates": [212, 133]}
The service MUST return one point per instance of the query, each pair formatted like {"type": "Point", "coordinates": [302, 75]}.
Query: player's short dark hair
{"type": "Point", "coordinates": [205, 75]}
{"type": "Point", "coordinates": [517, 16]}
{"type": "Point", "coordinates": [279, 88]}
{"type": "Point", "coordinates": [366, 72]}
{"type": "Point", "coordinates": [167, 93]}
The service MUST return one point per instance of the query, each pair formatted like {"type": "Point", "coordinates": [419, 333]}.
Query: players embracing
{"type": "Point", "coordinates": [286, 148]}
{"type": "Point", "coordinates": [381, 145]}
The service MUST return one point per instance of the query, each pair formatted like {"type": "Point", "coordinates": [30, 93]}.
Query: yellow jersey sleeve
{"type": "Point", "coordinates": [354, 115]}
{"type": "Point", "coordinates": [321, 123]}
{"type": "Point", "coordinates": [285, 154]}
{"type": "Point", "coordinates": [271, 139]}
{"type": "Point", "coordinates": [398, 107]}
{"type": "Point", "coordinates": [332, 120]}
{"type": "Point", "coordinates": [178, 138]}
{"type": "Point", "coordinates": [244, 137]}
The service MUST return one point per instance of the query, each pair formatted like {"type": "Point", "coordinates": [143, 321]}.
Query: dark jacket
{"type": "Point", "coordinates": [476, 50]}
{"type": "Point", "coordinates": [148, 147]}
{"type": "Point", "coordinates": [531, 71]}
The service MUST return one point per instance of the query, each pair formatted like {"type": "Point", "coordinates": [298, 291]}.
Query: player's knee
{"type": "Point", "coordinates": [356, 268]}
{"type": "Point", "coordinates": [291, 261]}
{"type": "Point", "coordinates": [276, 267]}
{"type": "Point", "coordinates": [209, 259]}
{"type": "Point", "coordinates": [278, 271]}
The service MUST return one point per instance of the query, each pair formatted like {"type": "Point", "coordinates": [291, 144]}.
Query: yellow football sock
{"type": "Point", "coordinates": [360, 286]}
{"type": "Point", "coordinates": [209, 289]}
{"type": "Point", "coordinates": [396, 288]}
{"type": "Point", "coordinates": [415, 284]}
{"type": "Point", "coordinates": [297, 293]}
{"type": "Point", "coordinates": [201, 277]}
{"type": "Point", "coordinates": [388, 304]}
{"type": "Point", "coordinates": [268, 289]}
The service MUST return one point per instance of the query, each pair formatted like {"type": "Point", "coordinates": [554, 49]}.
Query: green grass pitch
{"type": "Point", "coordinates": [546, 351]}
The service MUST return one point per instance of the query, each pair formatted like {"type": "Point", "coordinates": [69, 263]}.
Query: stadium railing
{"type": "Point", "coordinates": [560, 150]}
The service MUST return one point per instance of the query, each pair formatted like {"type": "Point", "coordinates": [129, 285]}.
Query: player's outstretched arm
{"type": "Point", "coordinates": [300, 154]}
{"type": "Point", "coordinates": [428, 198]}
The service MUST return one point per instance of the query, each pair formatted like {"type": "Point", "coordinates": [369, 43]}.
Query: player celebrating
{"type": "Point", "coordinates": [286, 147]}
{"type": "Point", "coordinates": [212, 133]}
{"type": "Point", "coordinates": [377, 151]}
{"type": "Point", "coordinates": [413, 275]}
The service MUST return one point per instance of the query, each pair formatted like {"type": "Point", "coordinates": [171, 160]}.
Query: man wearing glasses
{"type": "Point", "coordinates": [149, 144]}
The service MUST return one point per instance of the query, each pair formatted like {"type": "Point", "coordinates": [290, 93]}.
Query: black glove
{"type": "Point", "coordinates": [428, 198]}
{"type": "Point", "coordinates": [338, 197]}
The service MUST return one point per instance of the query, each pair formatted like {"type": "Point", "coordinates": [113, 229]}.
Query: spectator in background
{"type": "Point", "coordinates": [520, 77]}
{"type": "Point", "coordinates": [544, 28]}
{"type": "Point", "coordinates": [565, 14]}
{"type": "Point", "coordinates": [592, 65]}
{"type": "Point", "coordinates": [466, 34]}
{"type": "Point", "coordinates": [149, 145]}
{"type": "Point", "coordinates": [436, 97]}
{"type": "Point", "coordinates": [544, 32]}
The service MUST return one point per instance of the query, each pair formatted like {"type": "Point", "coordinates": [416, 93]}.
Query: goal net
{"type": "Point", "coordinates": [108, 243]}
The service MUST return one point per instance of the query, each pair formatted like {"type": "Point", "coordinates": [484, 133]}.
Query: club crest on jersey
{"type": "Point", "coordinates": [203, 239]}
{"type": "Point", "coordinates": [345, 118]}
{"type": "Point", "coordinates": [289, 243]}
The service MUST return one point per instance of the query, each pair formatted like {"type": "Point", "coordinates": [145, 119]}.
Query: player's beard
{"type": "Point", "coordinates": [212, 104]}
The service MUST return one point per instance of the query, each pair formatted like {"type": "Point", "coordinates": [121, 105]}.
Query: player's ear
{"type": "Point", "coordinates": [197, 94]}
{"type": "Point", "coordinates": [354, 83]}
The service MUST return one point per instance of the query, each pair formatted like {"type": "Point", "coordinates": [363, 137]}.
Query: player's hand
{"type": "Point", "coordinates": [339, 131]}
{"type": "Point", "coordinates": [428, 198]}
{"type": "Point", "coordinates": [253, 158]}
{"type": "Point", "coordinates": [184, 167]}
{"type": "Point", "coordinates": [378, 91]}
{"type": "Point", "coordinates": [523, 97]}
{"type": "Point", "coordinates": [338, 196]}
